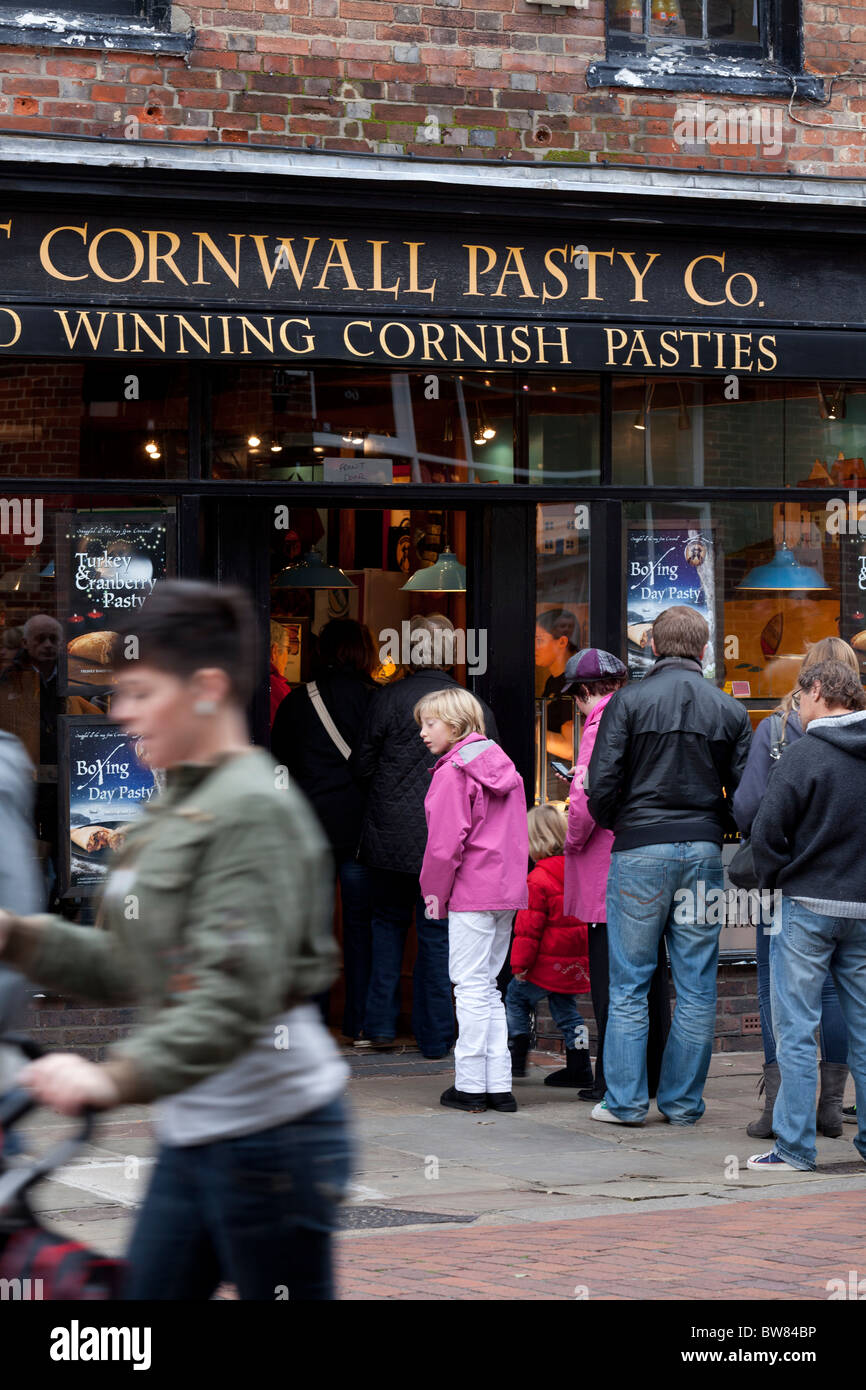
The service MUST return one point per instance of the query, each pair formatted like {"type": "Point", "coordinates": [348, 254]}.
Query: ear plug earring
{"type": "Point", "coordinates": [204, 707]}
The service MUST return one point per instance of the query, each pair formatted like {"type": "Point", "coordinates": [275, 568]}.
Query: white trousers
{"type": "Point", "coordinates": [477, 946]}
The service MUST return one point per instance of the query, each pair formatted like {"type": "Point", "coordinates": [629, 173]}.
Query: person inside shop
{"type": "Point", "coordinates": [557, 638]}
{"type": "Point", "coordinates": [11, 642]}
{"type": "Point", "coordinates": [395, 765]}
{"type": "Point", "coordinates": [809, 845]}
{"type": "Point", "coordinates": [279, 655]}
{"type": "Point", "coordinates": [772, 738]}
{"type": "Point", "coordinates": [668, 757]}
{"type": "Point", "coordinates": [232, 938]}
{"type": "Point", "coordinates": [314, 733]}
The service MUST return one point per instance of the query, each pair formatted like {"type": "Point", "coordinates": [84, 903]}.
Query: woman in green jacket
{"type": "Point", "coordinates": [217, 917]}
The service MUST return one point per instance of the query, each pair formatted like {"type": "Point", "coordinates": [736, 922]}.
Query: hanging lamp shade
{"type": "Point", "coordinates": [783, 572]}
{"type": "Point", "coordinates": [446, 576]}
{"type": "Point", "coordinates": [312, 573]}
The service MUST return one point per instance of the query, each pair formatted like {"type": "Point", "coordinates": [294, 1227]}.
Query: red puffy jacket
{"type": "Point", "coordinates": [551, 946]}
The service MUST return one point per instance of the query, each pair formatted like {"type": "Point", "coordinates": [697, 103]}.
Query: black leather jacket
{"type": "Point", "coordinates": [669, 755]}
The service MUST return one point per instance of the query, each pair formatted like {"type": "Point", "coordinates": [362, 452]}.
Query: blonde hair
{"type": "Point", "coordinates": [827, 649]}
{"type": "Point", "coordinates": [547, 831]}
{"type": "Point", "coordinates": [455, 707]}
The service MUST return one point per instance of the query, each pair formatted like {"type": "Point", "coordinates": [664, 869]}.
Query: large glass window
{"type": "Point", "coordinates": [670, 431]}
{"type": "Point", "coordinates": [375, 426]}
{"type": "Point", "coordinates": [561, 629]}
{"type": "Point", "coordinates": [93, 420]}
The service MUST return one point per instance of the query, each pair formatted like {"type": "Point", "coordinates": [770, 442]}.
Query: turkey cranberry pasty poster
{"type": "Point", "coordinates": [107, 565]}
{"type": "Point", "coordinates": [852, 619]}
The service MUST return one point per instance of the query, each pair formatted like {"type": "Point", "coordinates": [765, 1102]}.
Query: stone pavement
{"type": "Point", "coordinates": [545, 1203]}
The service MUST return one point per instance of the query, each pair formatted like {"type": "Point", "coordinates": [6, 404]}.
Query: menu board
{"type": "Point", "coordinates": [105, 785]}
{"type": "Point", "coordinates": [107, 565]}
{"type": "Point", "coordinates": [667, 566]}
{"type": "Point", "coordinates": [852, 618]}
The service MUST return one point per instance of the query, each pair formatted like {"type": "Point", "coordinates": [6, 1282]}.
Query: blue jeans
{"type": "Point", "coordinates": [257, 1211]}
{"type": "Point", "coordinates": [808, 947]}
{"type": "Point", "coordinates": [641, 907]}
{"type": "Point", "coordinates": [521, 997]}
{"type": "Point", "coordinates": [394, 897]}
{"type": "Point", "coordinates": [357, 941]}
{"type": "Point", "coordinates": [833, 1033]}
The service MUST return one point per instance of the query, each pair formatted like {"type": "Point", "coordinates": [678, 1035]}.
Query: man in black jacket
{"type": "Point", "coordinates": [809, 844]}
{"type": "Point", "coordinates": [397, 765]}
{"type": "Point", "coordinates": [670, 751]}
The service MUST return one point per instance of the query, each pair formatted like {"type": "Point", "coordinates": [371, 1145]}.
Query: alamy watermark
{"type": "Point", "coordinates": [729, 907]}
{"type": "Point", "coordinates": [22, 516]}
{"type": "Point", "coordinates": [442, 647]}
{"type": "Point", "coordinates": [702, 124]}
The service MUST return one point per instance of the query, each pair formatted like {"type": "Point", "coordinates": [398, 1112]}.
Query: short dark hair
{"type": "Point", "coordinates": [680, 631]}
{"type": "Point", "coordinates": [839, 684]}
{"type": "Point", "coordinates": [584, 690]}
{"type": "Point", "coordinates": [186, 625]}
{"type": "Point", "coordinates": [560, 622]}
{"type": "Point", "coordinates": [343, 642]}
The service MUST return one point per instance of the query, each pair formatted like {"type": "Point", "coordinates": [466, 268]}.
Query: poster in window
{"type": "Point", "coordinates": [852, 617]}
{"type": "Point", "coordinates": [106, 783]}
{"type": "Point", "coordinates": [107, 565]}
{"type": "Point", "coordinates": [668, 566]}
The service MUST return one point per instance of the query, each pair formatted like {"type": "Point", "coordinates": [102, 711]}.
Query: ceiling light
{"type": "Point", "coordinates": [254, 441]}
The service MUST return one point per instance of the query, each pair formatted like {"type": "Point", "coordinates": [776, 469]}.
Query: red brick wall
{"type": "Point", "coordinates": [501, 77]}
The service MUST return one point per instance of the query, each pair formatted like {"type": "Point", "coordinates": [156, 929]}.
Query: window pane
{"type": "Point", "coordinates": [677, 18]}
{"type": "Point", "coordinates": [736, 21]}
{"type": "Point", "coordinates": [562, 628]}
{"type": "Point", "coordinates": [563, 429]}
{"type": "Point", "coordinates": [680, 430]}
{"type": "Point", "coordinates": [77, 420]}
{"type": "Point", "coordinates": [339, 425]}
{"type": "Point", "coordinates": [627, 16]}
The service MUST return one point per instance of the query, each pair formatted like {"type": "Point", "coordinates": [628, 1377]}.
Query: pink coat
{"type": "Point", "coordinates": [587, 845]}
{"type": "Point", "coordinates": [477, 840]}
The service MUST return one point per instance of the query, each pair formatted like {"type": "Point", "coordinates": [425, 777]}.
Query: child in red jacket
{"type": "Point", "coordinates": [548, 956]}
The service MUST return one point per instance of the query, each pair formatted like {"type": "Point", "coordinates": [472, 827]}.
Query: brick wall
{"type": "Point", "coordinates": [483, 78]}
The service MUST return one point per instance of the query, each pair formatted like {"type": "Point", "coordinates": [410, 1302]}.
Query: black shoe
{"type": "Point", "coordinates": [518, 1046]}
{"type": "Point", "coordinates": [592, 1093]}
{"type": "Point", "coordinates": [576, 1072]}
{"type": "Point", "coordinates": [849, 1114]}
{"type": "Point", "coordinates": [501, 1100]}
{"type": "Point", "coordinates": [383, 1044]}
{"type": "Point", "coordinates": [473, 1101]}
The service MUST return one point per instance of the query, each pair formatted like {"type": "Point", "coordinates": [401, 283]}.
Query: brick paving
{"type": "Point", "coordinates": [786, 1248]}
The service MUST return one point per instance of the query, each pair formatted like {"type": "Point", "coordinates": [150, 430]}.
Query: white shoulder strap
{"type": "Point", "coordinates": [330, 727]}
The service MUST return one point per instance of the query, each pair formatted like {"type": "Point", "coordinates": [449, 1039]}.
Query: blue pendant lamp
{"type": "Point", "coordinates": [447, 576]}
{"type": "Point", "coordinates": [312, 573]}
{"type": "Point", "coordinates": [783, 573]}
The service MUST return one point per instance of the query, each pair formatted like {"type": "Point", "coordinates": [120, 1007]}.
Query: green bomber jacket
{"type": "Point", "coordinates": [217, 917]}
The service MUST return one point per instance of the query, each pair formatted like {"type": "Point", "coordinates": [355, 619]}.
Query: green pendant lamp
{"type": "Point", "coordinates": [783, 573]}
{"type": "Point", "coordinates": [312, 573]}
{"type": "Point", "coordinates": [446, 576]}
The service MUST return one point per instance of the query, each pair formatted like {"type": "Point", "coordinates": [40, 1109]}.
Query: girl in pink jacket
{"type": "Point", "coordinates": [474, 870]}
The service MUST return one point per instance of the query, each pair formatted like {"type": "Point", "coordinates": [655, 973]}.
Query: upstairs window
{"type": "Point", "coordinates": [732, 27]}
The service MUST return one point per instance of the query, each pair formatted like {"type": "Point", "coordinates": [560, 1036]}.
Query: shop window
{"type": "Point", "coordinates": [685, 431]}
{"type": "Point", "coordinates": [561, 629]}
{"type": "Point", "coordinates": [69, 571]}
{"type": "Point", "coordinates": [93, 420]}
{"type": "Point", "coordinates": [677, 45]}
{"type": "Point", "coordinates": [337, 425]}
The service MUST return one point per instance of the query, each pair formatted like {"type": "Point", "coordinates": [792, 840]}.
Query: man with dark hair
{"type": "Point", "coordinates": [809, 843]}
{"type": "Point", "coordinates": [557, 636]}
{"type": "Point", "coordinates": [669, 753]}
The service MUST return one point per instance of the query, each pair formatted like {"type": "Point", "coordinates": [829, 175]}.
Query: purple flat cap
{"type": "Point", "coordinates": [592, 664]}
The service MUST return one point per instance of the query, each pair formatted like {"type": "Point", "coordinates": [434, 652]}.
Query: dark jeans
{"type": "Point", "coordinates": [257, 1211]}
{"type": "Point", "coordinates": [354, 881]}
{"type": "Point", "coordinates": [394, 896]}
{"type": "Point", "coordinates": [658, 1002]}
{"type": "Point", "coordinates": [832, 1031]}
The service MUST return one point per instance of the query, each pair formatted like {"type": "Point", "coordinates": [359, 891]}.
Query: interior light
{"type": "Point", "coordinates": [254, 441]}
{"type": "Point", "coordinates": [488, 432]}
{"type": "Point", "coordinates": [276, 448]}
{"type": "Point", "coordinates": [151, 448]}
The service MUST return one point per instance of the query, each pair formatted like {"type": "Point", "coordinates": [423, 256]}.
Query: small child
{"type": "Point", "coordinates": [549, 956]}
{"type": "Point", "coordinates": [475, 870]}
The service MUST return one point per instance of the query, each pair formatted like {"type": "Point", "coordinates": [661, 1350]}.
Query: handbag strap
{"type": "Point", "coordinates": [327, 722]}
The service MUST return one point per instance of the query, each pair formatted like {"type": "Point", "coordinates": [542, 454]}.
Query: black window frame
{"type": "Point", "coordinates": [772, 68]}
{"type": "Point", "coordinates": [144, 26]}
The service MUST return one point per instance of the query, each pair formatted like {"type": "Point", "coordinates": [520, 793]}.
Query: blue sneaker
{"type": "Point", "coordinates": [771, 1160]}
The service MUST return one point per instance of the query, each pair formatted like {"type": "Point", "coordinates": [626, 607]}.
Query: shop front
{"type": "Point", "coordinates": [547, 422]}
